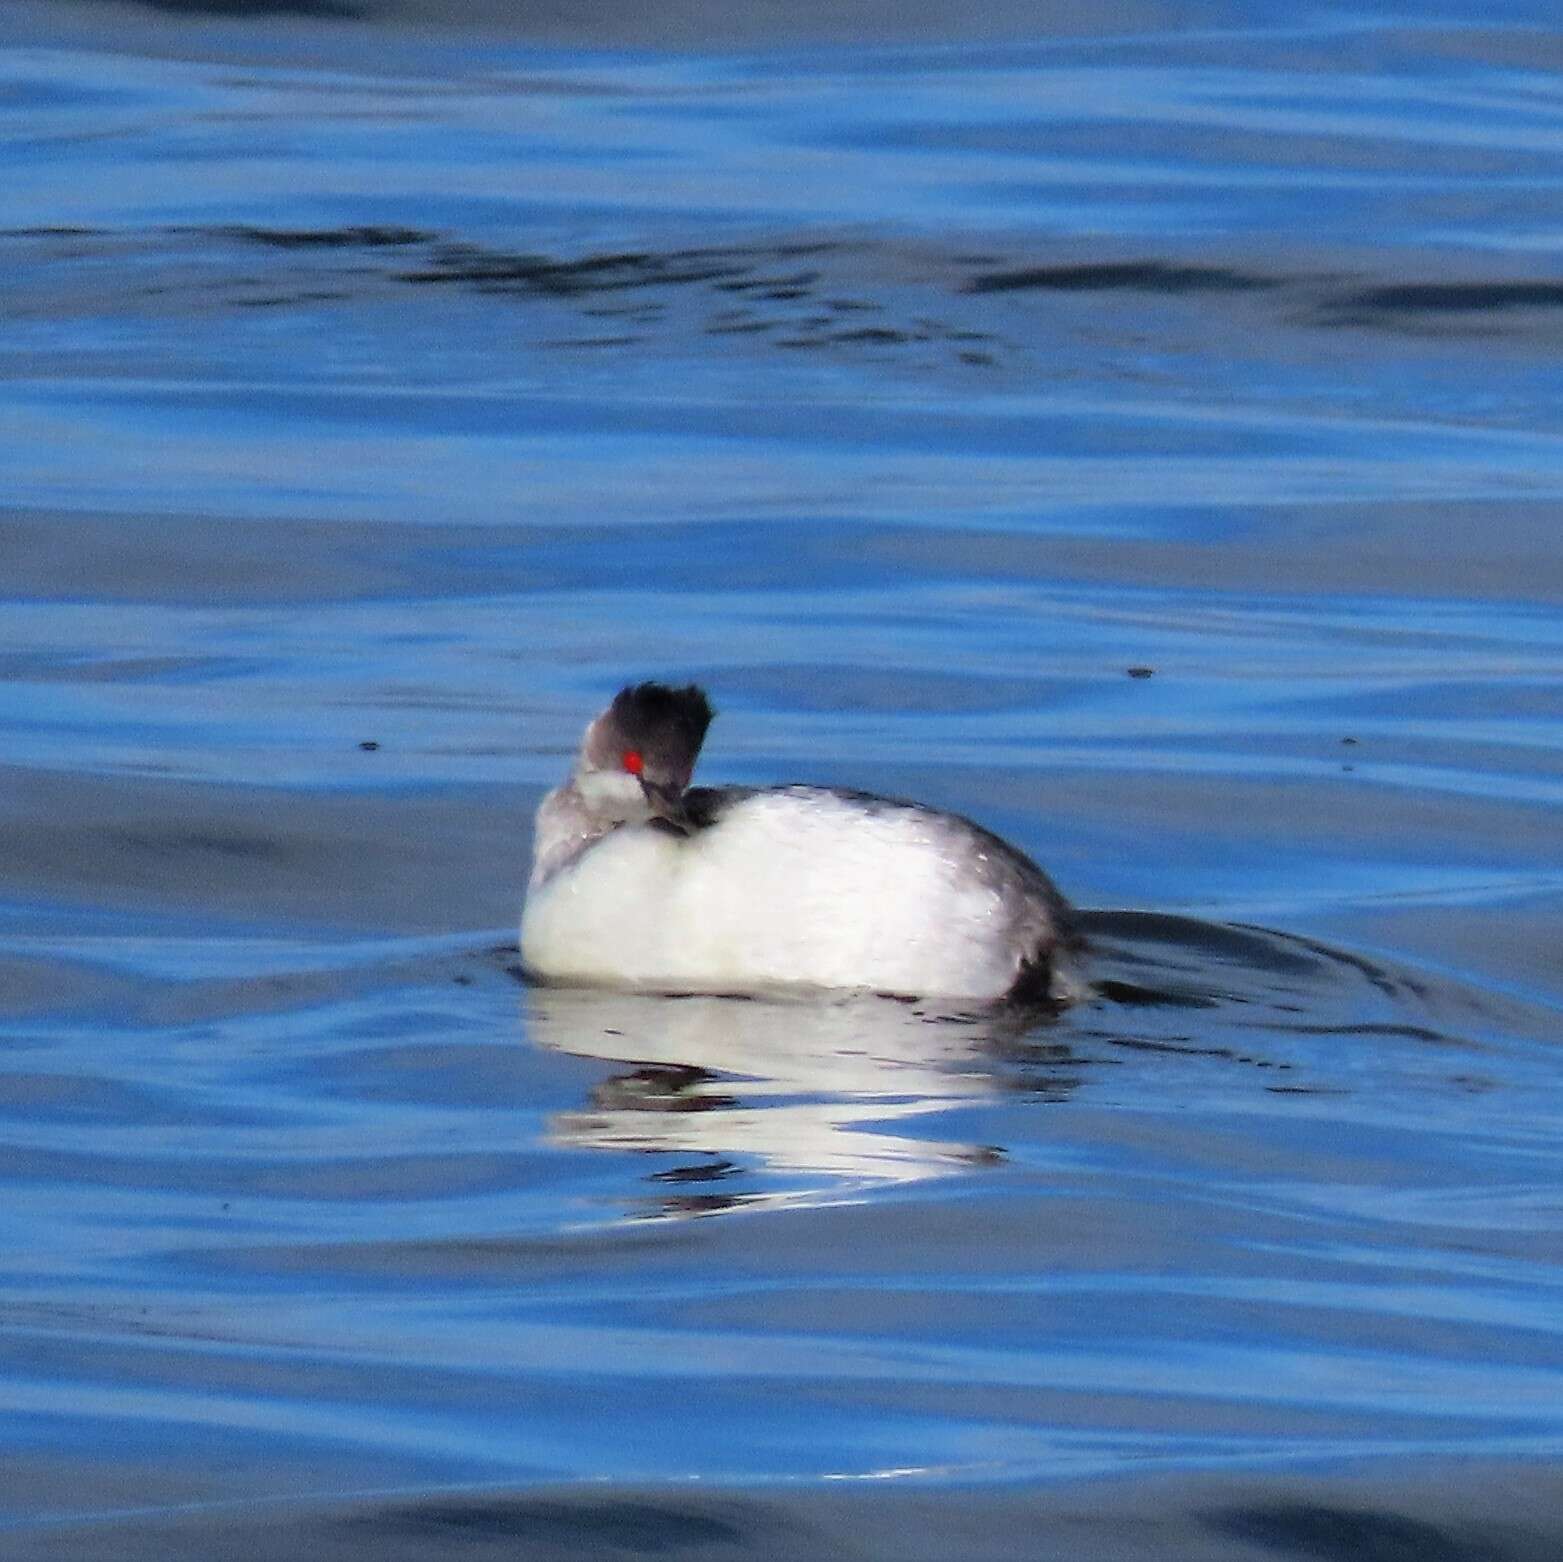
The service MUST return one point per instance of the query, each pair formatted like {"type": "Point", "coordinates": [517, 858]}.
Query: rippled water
{"type": "Point", "coordinates": [1142, 439]}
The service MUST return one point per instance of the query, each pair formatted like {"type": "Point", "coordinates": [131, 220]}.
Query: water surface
{"type": "Point", "coordinates": [1141, 438]}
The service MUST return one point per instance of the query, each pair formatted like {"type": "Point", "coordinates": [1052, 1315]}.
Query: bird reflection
{"type": "Point", "coordinates": [777, 1101]}
{"type": "Point", "coordinates": [820, 1100]}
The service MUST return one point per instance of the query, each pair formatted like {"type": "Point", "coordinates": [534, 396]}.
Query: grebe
{"type": "Point", "coordinates": [639, 880]}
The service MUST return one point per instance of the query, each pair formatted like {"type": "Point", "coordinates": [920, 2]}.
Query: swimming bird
{"type": "Point", "coordinates": [641, 880]}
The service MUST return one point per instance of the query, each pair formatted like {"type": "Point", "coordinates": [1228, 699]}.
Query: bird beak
{"type": "Point", "coordinates": [666, 802]}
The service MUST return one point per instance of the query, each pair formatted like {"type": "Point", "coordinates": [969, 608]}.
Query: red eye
{"type": "Point", "coordinates": [632, 761]}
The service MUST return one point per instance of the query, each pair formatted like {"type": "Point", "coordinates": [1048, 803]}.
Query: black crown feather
{"type": "Point", "coordinates": [660, 719]}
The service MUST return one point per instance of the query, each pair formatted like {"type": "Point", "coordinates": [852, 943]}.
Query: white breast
{"type": "Point", "coordinates": [788, 887]}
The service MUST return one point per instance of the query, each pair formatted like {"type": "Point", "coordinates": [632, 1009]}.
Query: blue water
{"type": "Point", "coordinates": [1141, 439]}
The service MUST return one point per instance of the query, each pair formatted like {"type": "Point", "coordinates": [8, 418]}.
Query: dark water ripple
{"type": "Point", "coordinates": [804, 291]}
